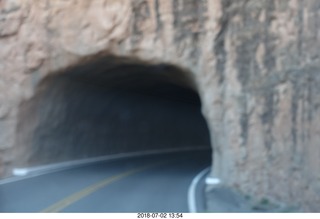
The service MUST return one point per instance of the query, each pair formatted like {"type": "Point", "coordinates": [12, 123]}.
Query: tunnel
{"type": "Point", "coordinates": [110, 105]}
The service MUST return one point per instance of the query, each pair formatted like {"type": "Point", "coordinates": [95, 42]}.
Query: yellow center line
{"type": "Point", "coordinates": [60, 205]}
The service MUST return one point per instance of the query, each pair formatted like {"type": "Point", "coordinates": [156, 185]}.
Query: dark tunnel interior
{"type": "Point", "coordinates": [110, 106]}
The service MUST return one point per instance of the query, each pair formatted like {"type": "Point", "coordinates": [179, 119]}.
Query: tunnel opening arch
{"type": "Point", "coordinates": [107, 105]}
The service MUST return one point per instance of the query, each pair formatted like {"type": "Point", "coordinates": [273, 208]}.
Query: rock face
{"type": "Point", "coordinates": [255, 64]}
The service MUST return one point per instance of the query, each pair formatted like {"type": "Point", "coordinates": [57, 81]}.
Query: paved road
{"type": "Point", "coordinates": [153, 183]}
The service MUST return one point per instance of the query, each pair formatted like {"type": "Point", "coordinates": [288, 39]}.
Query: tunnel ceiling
{"type": "Point", "coordinates": [130, 75]}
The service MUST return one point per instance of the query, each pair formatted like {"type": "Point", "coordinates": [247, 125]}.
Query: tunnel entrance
{"type": "Point", "coordinates": [110, 105]}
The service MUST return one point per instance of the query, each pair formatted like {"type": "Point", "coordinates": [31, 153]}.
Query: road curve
{"type": "Point", "coordinates": [153, 183]}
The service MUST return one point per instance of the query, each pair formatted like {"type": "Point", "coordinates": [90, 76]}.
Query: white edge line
{"type": "Point", "coordinates": [192, 190]}
{"type": "Point", "coordinates": [25, 173]}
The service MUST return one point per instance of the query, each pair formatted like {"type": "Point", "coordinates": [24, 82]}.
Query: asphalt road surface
{"type": "Point", "coordinates": [153, 183]}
